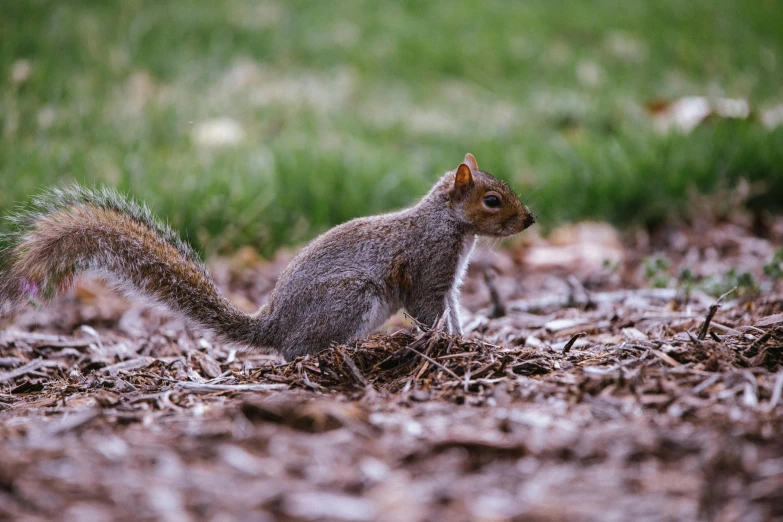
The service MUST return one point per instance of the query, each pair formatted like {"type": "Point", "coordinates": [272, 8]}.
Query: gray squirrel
{"type": "Point", "coordinates": [341, 286]}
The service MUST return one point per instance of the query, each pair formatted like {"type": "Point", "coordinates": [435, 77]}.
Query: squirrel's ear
{"type": "Point", "coordinates": [463, 180]}
{"type": "Point", "coordinates": [470, 161]}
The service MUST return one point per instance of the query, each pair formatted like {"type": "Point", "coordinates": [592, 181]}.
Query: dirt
{"type": "Point", "coordinates": [577, 393]}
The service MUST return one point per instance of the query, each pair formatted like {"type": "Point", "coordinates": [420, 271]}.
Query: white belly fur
{"type": "Point", "coordinates": [468, 245]}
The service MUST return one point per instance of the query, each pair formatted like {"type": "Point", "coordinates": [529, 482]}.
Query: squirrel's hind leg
{"type": "Point", "coordinates": [335, 311]}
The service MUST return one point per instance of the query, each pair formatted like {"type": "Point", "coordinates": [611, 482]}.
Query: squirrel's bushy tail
{"type": "Point", "coordinates": [72, 230]}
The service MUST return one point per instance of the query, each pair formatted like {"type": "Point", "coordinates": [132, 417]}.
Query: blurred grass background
{"type": "Point", "coordinates": [263, 123]}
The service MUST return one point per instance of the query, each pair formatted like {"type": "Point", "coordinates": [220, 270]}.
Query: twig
{"type": "Point", "coordinates": [725, 329]}
{"type": "Point", "coordinates": [422, 369]}
{"type": "Point", "coordinates": [197, 387]}
{"type": "Point", "coordinates": [131, 364]}
{"type": "Point", "coordinates": [706, 383]}
{"type": "Point", "coordinates": [571, 341]}
{"type": "Point", "coordinates": [355, 373]}
{"type": "Point", "coordinates": [418, 324]}
{"type": "Point", "coordinates": [433, 361]}
{"type": "Point", "coordinates": [27, 368]}
{"type": "Point", "coordinates": [9, 361]}
{"type": "Point", "coordinates": [308, 383]}
{"type": "Point", "coordinates": [665, 358]}
{"type": "Point", "coordinates": [485, 369]}
{"type": "Point", "coordinates": [711, 313]}
{"type": "Point", "coordinates": [456, 355]}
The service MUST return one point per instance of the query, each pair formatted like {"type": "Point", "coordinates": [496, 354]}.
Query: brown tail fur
{"type": "Point", "coordinates": [73, 230]}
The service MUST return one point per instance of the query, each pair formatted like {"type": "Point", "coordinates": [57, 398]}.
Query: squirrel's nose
{"type": "Point", "coordinates": [529, 220]}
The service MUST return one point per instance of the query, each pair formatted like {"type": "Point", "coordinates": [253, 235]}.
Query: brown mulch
{"type": "Point", "coordinates": [576, 393]}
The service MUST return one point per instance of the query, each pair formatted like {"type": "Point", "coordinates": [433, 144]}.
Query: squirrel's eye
{"type": "Point", "coordinates": [492, 201]}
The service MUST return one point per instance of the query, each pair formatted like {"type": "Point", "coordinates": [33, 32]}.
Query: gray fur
{"type": "Point", "coordinates": [343, 285]}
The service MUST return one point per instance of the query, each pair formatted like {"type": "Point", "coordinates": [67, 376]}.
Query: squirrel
{"type": "Point", "coordinates": [341, 286]}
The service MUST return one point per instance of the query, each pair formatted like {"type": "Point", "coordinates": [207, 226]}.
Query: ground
{"type": "Point", "coordinates": [587, 386]}
{"type": "Point", "coordinates": [577, 393]}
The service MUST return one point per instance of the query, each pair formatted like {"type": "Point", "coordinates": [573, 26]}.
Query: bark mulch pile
{"type": "Point", "coordinates": [577, 393]}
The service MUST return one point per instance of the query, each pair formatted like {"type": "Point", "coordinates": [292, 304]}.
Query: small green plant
{"type": "Point", "coordinates": [744, 282]}
{"type": "Point", "coordinates": [656, 271]}
{"type": "Point", "coordinates": [774, 267]}
{"type": "Point", "coordinates": [714, 285]}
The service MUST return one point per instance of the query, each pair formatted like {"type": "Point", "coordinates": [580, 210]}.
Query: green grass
{"type": "Point", "coordinates": [350, 108]}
